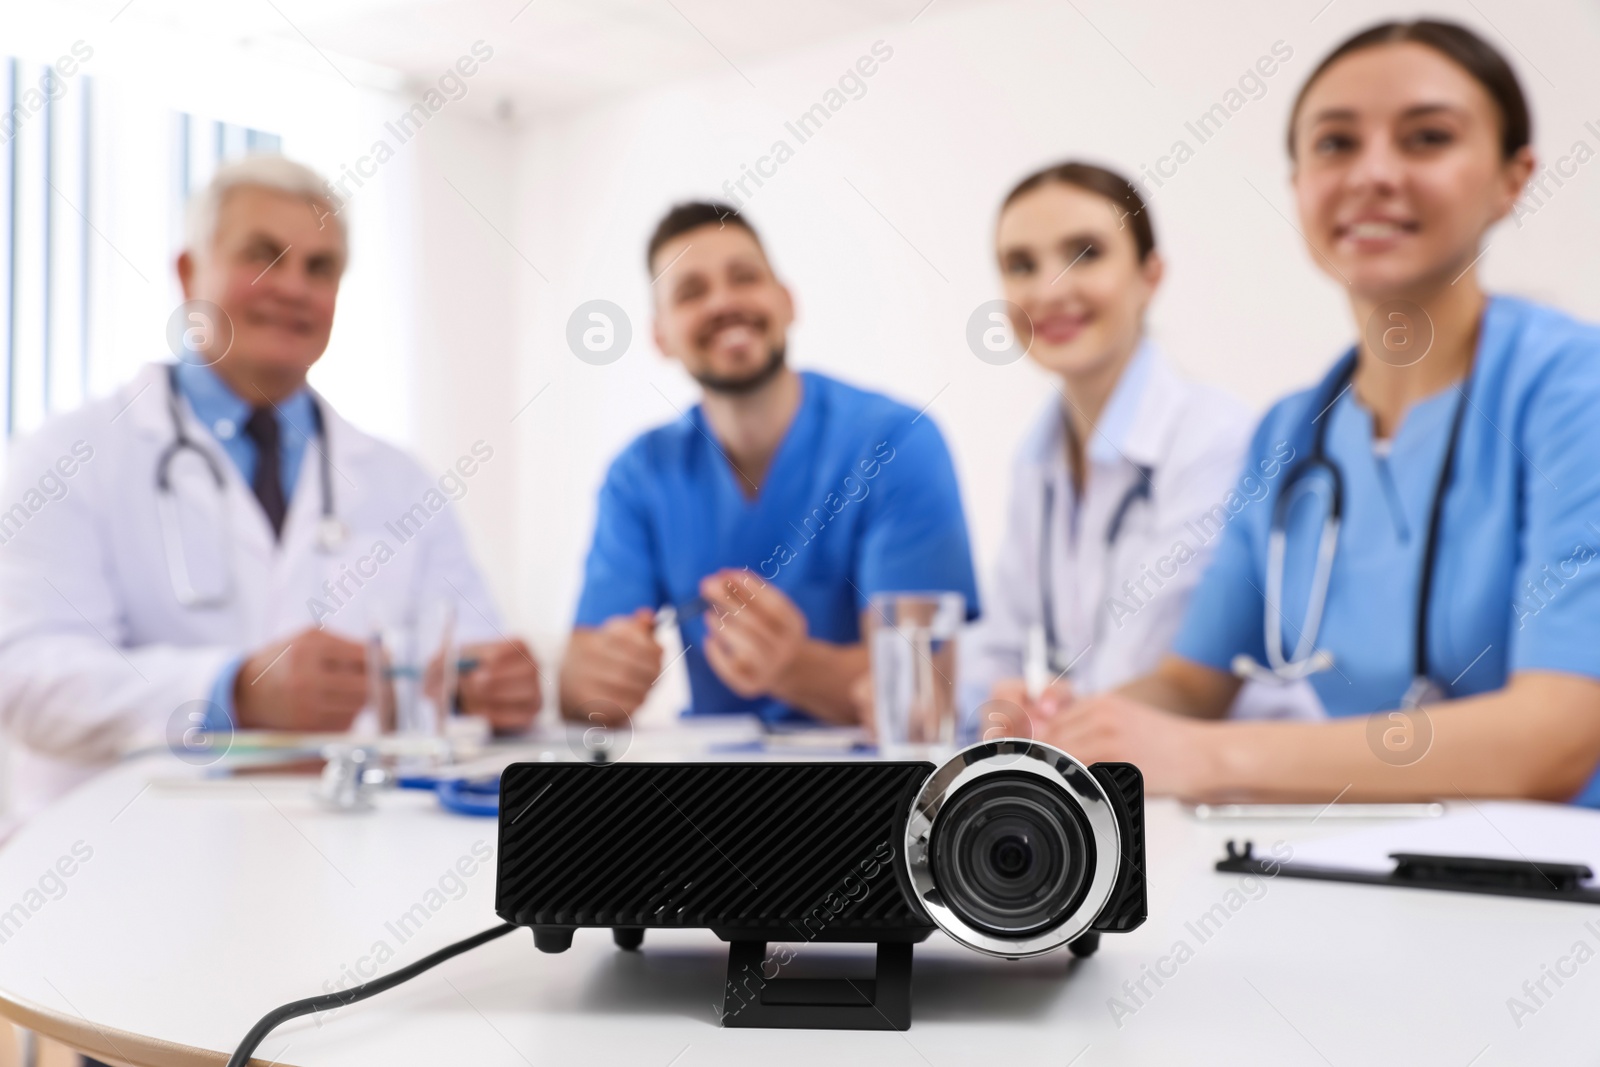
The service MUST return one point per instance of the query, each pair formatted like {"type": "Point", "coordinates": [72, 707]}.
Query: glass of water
{"type": "Point", "coordinates": [411, 675]}
{"type": "Point", "coordinates": [912, 642]}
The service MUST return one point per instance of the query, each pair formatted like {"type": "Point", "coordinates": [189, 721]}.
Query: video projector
{"type": "Point", "coordinates": [1012, 848]}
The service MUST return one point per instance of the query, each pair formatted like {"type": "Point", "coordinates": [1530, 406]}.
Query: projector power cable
{"type": "Point", "coordinates": [275, 1017]}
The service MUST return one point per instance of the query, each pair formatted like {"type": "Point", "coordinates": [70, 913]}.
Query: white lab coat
{"type": "Point", "coordinates": [1117, 606]}
{"type": "Point", "coordinates": [96, 653]}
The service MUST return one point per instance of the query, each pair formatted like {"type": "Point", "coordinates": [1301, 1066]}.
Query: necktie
{"type": "Point", "coordinates": [262, 428]}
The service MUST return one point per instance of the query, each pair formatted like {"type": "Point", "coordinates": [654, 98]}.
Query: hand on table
{"type": "Point", "coordinates": [503, 686]}
{"type": "Point", "coordinates": [609, 669]}
{"type": "Point", "coordinates": [311, 681]}
{"type": "Point", "coordinates": [1011, 712]}
{"type": "Point", "coordinates": [1171, 751]}
{"type": "Point", "coordinates": [753, 631]}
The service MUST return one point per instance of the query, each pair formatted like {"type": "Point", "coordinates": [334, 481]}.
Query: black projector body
{"type": "Point", "coordinates": [1012, 847]}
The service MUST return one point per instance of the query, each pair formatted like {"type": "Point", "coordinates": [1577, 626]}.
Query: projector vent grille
{"type": "Point", "coordinates": [727, 845]}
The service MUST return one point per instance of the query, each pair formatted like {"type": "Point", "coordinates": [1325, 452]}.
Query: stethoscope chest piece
{"type": "Point", "coordinates": [332, 534]}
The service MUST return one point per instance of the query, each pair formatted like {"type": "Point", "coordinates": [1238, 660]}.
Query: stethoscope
{"type": "Point", "coordinates": [462, 796]}
{"type": "Point", "coordinates": [353, 773]}
{"type": "Point", "coordinates": [331, 532]}
{"type": "Point", "coordinates": [1307, 659]}
{"type": "Point", "coordinates": [1055, 656]}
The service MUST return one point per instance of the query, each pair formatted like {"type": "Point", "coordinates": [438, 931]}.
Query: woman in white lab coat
{"type": "Point", "coordinates": [1127, 477]}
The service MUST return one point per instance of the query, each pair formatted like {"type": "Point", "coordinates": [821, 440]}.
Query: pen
{"type": "Point", "coordinates": [1315, 811]}
{"type": "Point", "coordinates": [692, 608]}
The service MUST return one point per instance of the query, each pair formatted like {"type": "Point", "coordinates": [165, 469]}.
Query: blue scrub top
{"type": "Point", "coordinates": [1517, 580]}
{"type": "Point", "coordinates": [860, 498]}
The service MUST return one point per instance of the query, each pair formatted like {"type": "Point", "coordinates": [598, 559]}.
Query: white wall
{"type": "Point", "coordinates": [968, 103]}
{"type": "Point", "coordinates": [462, 304]}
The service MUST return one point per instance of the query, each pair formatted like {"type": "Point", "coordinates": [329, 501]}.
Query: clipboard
{"type": "Point", "coordinates": [1454, 874]}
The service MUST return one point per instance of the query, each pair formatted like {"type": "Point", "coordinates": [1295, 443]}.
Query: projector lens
{"type": "Point", "coordinates": [1011, 854]}
{"type": "Point", "coordinates": [1012, 847]}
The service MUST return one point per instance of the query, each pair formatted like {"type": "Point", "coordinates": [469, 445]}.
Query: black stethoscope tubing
{"type": "Point", "coordinates": [1139, 490]}
{"type": "Point", "coordinates": [181, 441]}
{"type": "Point", "coordinates": [1319, 460]}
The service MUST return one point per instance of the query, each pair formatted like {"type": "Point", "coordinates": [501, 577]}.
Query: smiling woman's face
{"type": "Point", "coordinates": [1398, 170]}
{"type": "Point", "coordinates": [1070, 264]}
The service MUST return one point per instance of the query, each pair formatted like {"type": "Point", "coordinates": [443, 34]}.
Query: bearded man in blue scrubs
{"type": "Point", "coordinates": [766, 516]}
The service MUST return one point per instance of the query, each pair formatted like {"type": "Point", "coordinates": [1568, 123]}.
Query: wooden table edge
{"type": "Point", "coordinates": [110, 1044]}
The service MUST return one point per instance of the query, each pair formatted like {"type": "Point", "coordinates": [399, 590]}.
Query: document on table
{"type": "Point", "coordinates": [1489, 829]}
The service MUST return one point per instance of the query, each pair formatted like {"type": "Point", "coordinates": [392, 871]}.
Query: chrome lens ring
{"type": "Point", "coordinates": [1013, 755]}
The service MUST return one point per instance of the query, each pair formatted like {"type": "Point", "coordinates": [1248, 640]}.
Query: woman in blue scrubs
{"type": "Point", "coordinates": [1428, 557]}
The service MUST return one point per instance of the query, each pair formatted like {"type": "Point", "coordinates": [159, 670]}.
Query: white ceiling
{"type": "Point", "coordinates": [549, 55]}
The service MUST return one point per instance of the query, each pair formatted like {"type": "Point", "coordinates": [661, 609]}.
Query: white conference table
{"type": "Point", "coordinates": [193, 909]}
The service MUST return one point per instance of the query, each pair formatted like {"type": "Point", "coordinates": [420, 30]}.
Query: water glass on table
{"type": "Point", "coordinates": [911, 639]}
{"type": "Point", "coordinates": [411, 674]}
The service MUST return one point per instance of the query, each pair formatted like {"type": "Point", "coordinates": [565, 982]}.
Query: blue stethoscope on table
{"type": "Point", "coordinates": [1055, 656]}
{"type": "Point", "coordinates": [352, 772]}
{"type": "Point", "coordinates": [463, 796]}
{"type": "Point", "coordinates": [331, 532]}
{"type": "Point", "coordinates": [1307, 659]}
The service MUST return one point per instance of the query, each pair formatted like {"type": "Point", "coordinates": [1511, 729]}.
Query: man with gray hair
{"type": "Point", "coordinates": [215, 544]}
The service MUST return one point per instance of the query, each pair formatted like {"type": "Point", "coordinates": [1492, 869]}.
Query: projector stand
{"type": "Point", "coordinates": [752, 999]}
